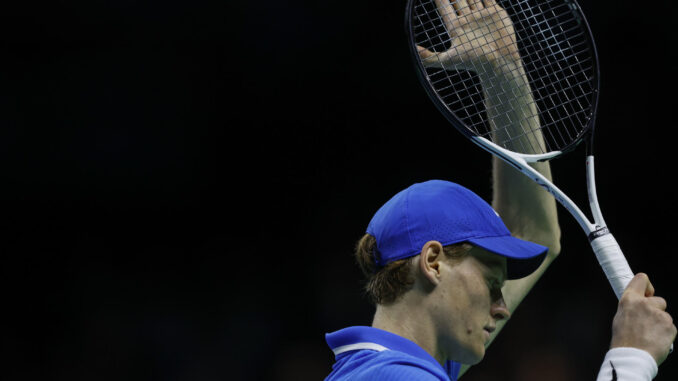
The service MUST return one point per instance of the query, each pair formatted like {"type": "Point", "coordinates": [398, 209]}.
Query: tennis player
{"type": "Point", "coordinates": [445, 271]}
{"type": "Point", "coordinates": [445, 274]}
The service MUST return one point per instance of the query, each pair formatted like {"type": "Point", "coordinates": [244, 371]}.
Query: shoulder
{"type": "Point", "coordinates": [385, 365]}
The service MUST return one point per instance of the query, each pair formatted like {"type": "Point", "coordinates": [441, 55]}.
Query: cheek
{"type": "Point", "coordinates": [479, 306]}
{"type": "Point", "coordinates": [477, 293]}
{"type": "Point", "coordinates": [472, 304]}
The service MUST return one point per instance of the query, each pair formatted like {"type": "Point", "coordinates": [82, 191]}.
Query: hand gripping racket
{"type": "Point", "coordinates": [519, 78]}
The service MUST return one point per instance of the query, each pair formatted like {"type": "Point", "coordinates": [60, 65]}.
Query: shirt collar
{"type": "Point", "coordinates": [362, 337]}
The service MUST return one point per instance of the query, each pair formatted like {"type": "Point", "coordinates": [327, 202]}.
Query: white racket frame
{"type": "Point", "coordinates": [606, 248]}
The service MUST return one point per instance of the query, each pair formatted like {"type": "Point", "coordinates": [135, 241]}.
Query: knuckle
{"type": "Point", "coordinates": [630, 301]}
{"type": "Point", "coordinates": [672, 330]}
{"type": "Point", "coordinates": [658, 303]}
{"type": "Point", "coordinates": [665, 320]}
{"type": "Point", "coordinates": [668, 318]}
{"type": "Point", "coordinates": [625, 300]}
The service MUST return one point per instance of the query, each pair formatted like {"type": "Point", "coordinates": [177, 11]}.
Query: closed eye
{"type": "Point", "coordinates": [495, 290]}
{"type": "Point", "coordinates": [496, 294]}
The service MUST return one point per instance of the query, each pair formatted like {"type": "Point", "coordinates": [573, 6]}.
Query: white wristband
{"type": "Point", "coordinates": [627, 364]}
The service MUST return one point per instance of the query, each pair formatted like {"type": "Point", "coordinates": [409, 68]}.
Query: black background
{"type": "Point", "coordinates": [183, 183]}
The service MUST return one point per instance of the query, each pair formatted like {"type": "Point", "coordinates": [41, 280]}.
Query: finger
{"type": "Point", "coordinates": [649, 290]}
{"type": "Point", "coordinates": [445, 60]}
{"type": "Point", "coordinates": [489, 3]}
{"type": "Point", "coordinates": [447, 13]}
{"type": "Point", "coordinates": [475, 4]}
{"type": "Point", "coordinates": [640, 284]}
{"type": "Point", "coordinates": [461, 6]}
{"type": "Point", "coordinates": [424, 53]}
{"type": "Point", "coordinates": [657, 302]}
{"type": "Point", "coordinates": [428, 58]}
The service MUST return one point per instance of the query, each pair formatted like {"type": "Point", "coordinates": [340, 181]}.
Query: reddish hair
{"type": "Point", "coordinates": [385, 285]}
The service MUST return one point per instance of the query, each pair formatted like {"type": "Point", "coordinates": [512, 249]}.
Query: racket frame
{"type": "Point", "coordinates": [521, 161]}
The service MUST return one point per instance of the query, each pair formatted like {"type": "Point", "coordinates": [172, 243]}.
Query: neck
{"type": "Point", "coordinates": [412, 323]}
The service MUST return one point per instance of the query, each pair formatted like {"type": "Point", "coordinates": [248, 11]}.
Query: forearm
{"type": "Point", "coordinates": [511, 110]}
{"type": "Point", "coordinates": [527, 209]}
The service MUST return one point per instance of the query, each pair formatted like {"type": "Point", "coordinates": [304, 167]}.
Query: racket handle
{"type": "Point", "coordinates": [613, 262]}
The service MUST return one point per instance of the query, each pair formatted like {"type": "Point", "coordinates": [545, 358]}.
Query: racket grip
{"type": "Point", "coordinates": [613, 262]}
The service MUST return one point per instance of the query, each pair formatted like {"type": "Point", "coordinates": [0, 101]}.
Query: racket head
{"type": "Point", "coordinates": [560, 63]}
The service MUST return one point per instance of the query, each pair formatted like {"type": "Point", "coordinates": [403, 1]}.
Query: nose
{"type": "Point", "coordinates": [498, 310]}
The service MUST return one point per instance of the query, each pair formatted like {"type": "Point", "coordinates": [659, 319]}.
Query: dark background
{"type": "Point", "coordinates": [183, 183]}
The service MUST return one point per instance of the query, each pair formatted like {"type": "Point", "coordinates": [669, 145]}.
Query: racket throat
{"type": "Point", "coordinates": [593, 196]}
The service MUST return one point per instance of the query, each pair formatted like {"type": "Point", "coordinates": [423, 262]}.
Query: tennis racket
{"type": "Point", "coordinates": [520, 79]}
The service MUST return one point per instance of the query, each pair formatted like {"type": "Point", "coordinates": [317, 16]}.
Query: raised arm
{"type": "Point", "coordinates": [483, 40]}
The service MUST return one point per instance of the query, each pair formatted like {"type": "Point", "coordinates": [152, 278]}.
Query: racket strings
{"type": "Point", "coordinates": [542, 25]}
{"type": "Point", "coordinates": [557, 62]}
{"type": "Point", "coordinates": [576, 38]}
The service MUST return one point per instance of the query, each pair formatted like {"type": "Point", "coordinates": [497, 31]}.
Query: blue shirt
{"type": "Point", "coordinates": [367, 353]}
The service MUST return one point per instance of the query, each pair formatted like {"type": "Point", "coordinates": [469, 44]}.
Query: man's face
{"type": "Point", "coordinates": [471, 304]}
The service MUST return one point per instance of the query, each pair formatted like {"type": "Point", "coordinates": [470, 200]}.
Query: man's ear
{"type": "Point", "coordinates": [429, 261]}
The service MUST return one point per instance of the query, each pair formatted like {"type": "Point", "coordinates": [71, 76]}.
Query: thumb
{"type": "Point", "coordinates": [640, 285]}
{"type": "Point", "coordinates": [428, 58]}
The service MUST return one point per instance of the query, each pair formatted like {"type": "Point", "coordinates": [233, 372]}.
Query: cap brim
{"type": "Point", "coordinates": [522, 257]}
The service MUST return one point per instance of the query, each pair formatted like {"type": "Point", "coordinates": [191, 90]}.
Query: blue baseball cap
{"type": "Point", "coordinates": [449, 213]}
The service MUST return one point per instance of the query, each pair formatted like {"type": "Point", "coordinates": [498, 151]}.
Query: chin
{"type": "Point", "coordinates": [476, 359]}
{"type": "Point", "coordinates": [476, 355]}
{"type": "Point", "coordinates": [468, 350]}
